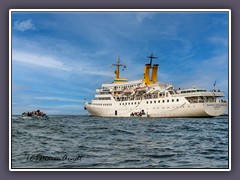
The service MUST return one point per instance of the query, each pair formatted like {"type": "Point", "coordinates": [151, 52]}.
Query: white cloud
{"type": "Point", "coordinates": [59, 99]}
{"type": "Point", "coordinates": [97, 72]}
{"type": "Point", "coordinates": [143, 15]}
{"type": "Point", "coordinates": [218, 60]}
{"type": "Point", "coordinates": [43, 61]}
{"type": "Point", "coordinates": [219, 40]}
{"type": "Point", "coordinates": [24, 25]}
{"type": "Point", "coordinates": [38, 60]}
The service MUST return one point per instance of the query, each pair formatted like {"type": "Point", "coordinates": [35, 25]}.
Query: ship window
{"type": "Point", "coordinates": [138, 102]}
{"type": "Point", "coordinates": [135, 102]}
{"type": "Point", "coordinates": [177, 100]}
{"type": "Point", "coordinates": [132, 103]}
{"type": "Point", "coordinates": [158, 101]}
{"type": "Point", "coordinates": [147, 102]}
{"type": "Point", "coordinates": [172, 100]}
{"type": "Point", "coordinates": [167, 100]}
{"type": "Point", "coordinates": [120, 104]}
{"type": "Point", "coordinates": [151, 102]}
{"type": "Point", "coordinates": [154, 101]}
{"type": "Point", "coordinates": [171, 92]}
{"type": "Point", "coordinates": [163, 101]}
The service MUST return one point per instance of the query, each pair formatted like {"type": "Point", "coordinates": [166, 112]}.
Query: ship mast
{"type": "Point", "coordinates": [151, 57]}
{"type": "Point", "coordinates": [118, 65]}
{"type": "Point", "coordinates": [117, 72]}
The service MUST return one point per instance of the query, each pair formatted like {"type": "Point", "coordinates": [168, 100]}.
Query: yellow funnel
{"type": "Point", "coordinates": [154, 73]}
{"type": "Point", "coordinates": [146, 79]}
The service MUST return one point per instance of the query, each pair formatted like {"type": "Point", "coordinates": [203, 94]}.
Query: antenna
{"type": "Point", "coordinates": [214, 84]}
{"type": "Point", "coordinates": [119, 64]}
{"type": "Point", "coordinates": [151, 57]}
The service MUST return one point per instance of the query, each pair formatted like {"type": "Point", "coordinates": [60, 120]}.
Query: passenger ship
{"type": "Point", "coordinates": [149, 98]}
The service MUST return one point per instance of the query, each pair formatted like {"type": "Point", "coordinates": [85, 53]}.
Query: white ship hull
{"type": "Point", "coordinates": [184, 110]}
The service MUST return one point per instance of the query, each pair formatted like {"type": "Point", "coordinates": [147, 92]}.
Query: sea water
{"type": "Point", "coordinates": [80, 142]}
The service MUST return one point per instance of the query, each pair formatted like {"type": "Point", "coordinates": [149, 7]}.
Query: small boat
{"type": "Point", "coordinates": [139, 114]}
{"type": "Point", "coordinates": [34, 115]}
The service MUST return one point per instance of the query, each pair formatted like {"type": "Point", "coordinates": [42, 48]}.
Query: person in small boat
{"type": "Point", "coordinates": [29, 114]}
{"type": "Point", "coordinates": [39, 113]}
{"type": "Point", "coordinates": [140, 113]}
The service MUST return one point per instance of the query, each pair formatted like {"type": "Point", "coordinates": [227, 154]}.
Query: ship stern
{"type": "Point", "coordinates": [215, 109]}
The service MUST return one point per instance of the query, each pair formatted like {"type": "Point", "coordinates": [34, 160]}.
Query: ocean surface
{"type": "Point", "coordinates": [79, 142]}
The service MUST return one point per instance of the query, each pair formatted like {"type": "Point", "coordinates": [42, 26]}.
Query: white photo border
{"type": "Point", "coordinates": [118, 10]}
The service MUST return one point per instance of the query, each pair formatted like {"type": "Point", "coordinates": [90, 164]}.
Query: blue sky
{"type": "Point", "coordinates": [60, 58]}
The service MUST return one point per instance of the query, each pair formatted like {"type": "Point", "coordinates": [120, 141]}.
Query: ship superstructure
{"type": "Point", "coordinates": [149, 98]}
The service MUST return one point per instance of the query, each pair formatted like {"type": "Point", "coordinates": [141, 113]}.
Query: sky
{"type": "Point", "coordinates": [60, 58]}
